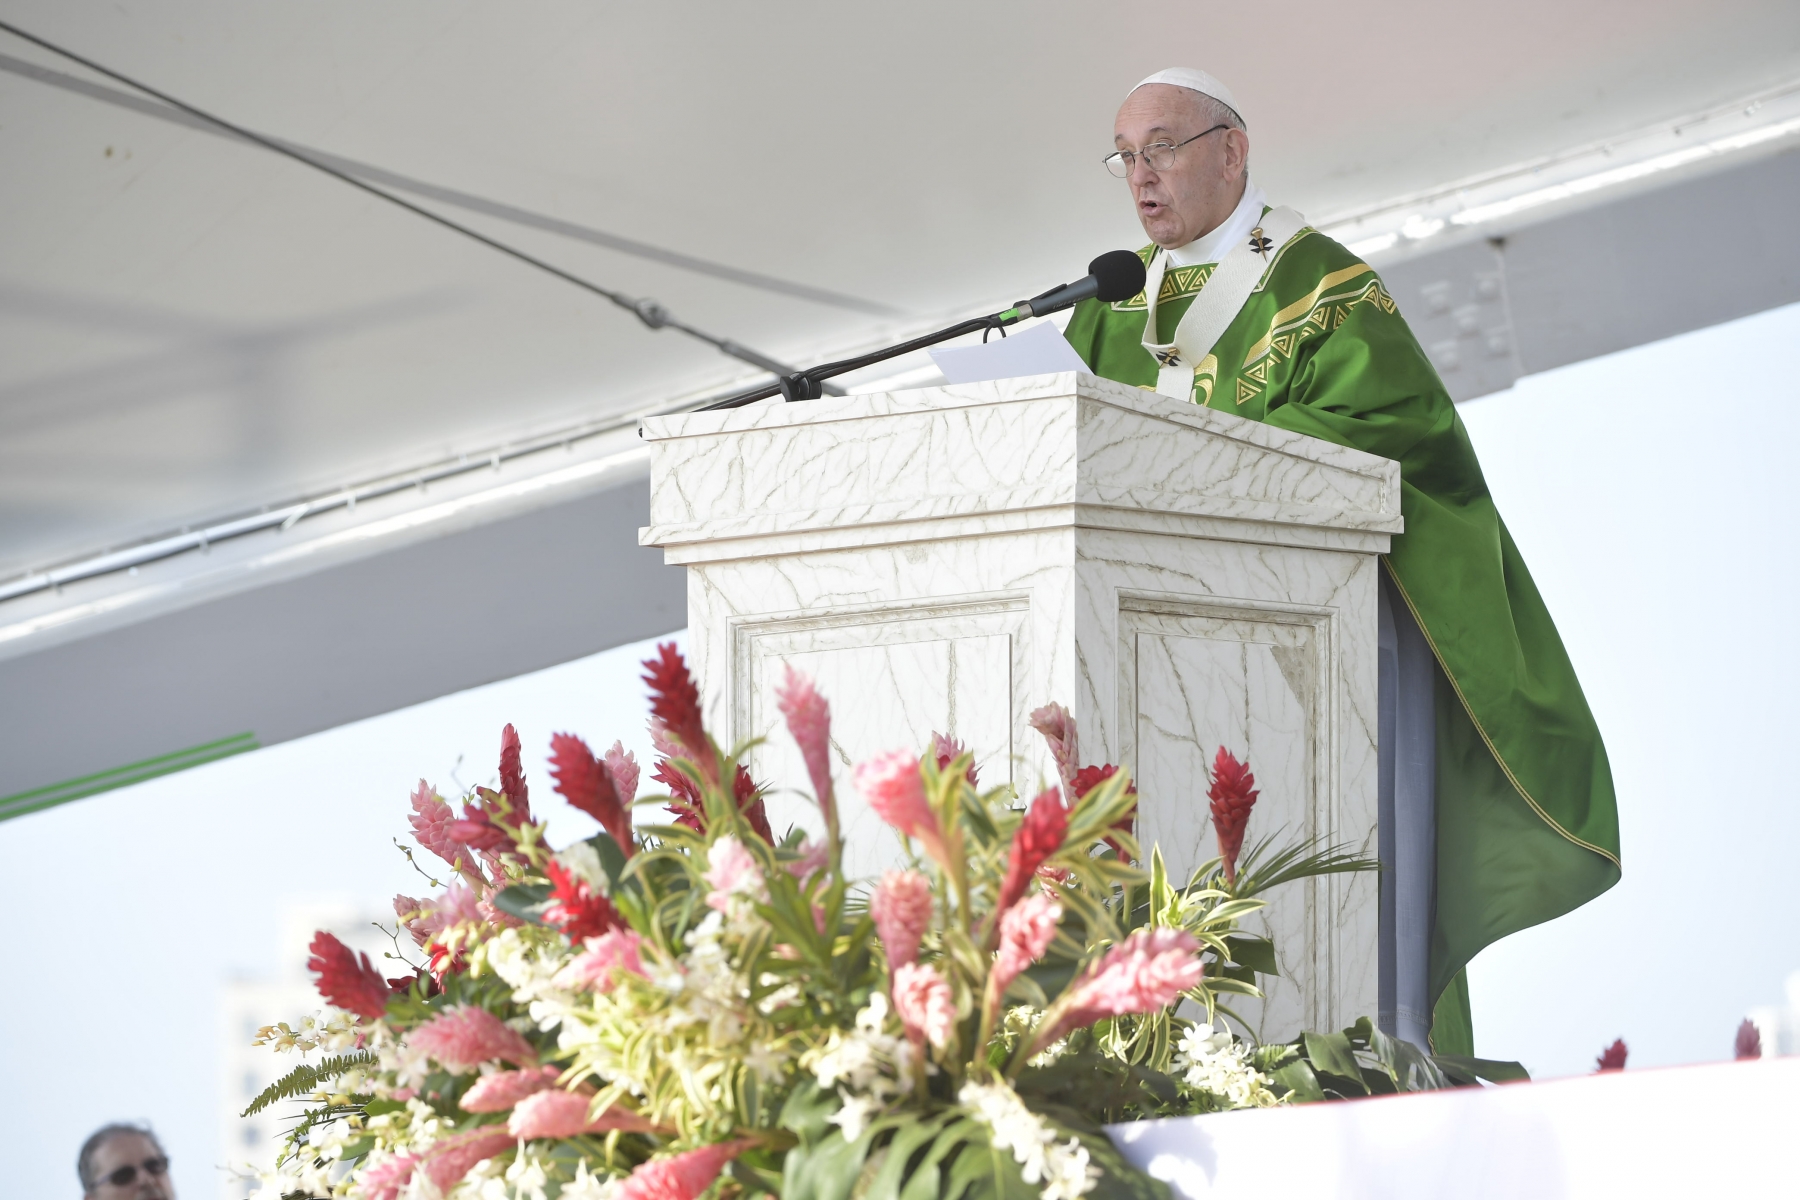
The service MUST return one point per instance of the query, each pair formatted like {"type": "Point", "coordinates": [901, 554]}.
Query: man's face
{"type": "Point", "coordinates": [131, 1150]}
{"type": "Point", "coordinates": [1195, 195]}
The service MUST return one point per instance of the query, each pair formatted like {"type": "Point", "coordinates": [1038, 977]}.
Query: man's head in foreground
{"type": "Point", "coordinates": [1187, 156]}
{"type": "Point", "coordinates": [124, 1162]}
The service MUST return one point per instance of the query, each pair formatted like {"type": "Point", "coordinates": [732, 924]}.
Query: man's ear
{"type": "Point", "coordinates": [1237, 153]}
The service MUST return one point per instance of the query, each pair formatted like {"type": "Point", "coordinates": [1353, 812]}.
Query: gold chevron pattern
{"type": "Point", "coordinates": [1177, 282]}
{"type": "Point", "coordinates": [1318, 313]}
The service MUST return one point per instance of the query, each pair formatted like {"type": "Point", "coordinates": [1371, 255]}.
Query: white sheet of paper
{"type": "Point", "coordinates": [1040, 350]}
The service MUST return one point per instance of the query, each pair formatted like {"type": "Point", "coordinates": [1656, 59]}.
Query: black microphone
{"type": "Point", "coordinates": [1115, 275]}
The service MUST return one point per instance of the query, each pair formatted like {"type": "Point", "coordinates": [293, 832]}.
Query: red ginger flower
{"type": "Point", "coordinates": [503, 1089]}
{"type": "Point", "coordinates": [512, 776]}
{"type": "Point", "coordinates": [585, 782]}
{"type": "Point", "coordinates": [1089, 778]}
{"type": "Point", "coordinates": [808, 718]}
{"type": "Point", "coordinates": [1233, 793]}
{"type": "Point", "coordinates": [689, 811]}
{"type": "Point", "coordinates": [1749, 1040]}
{"type": "Point", "coordinates": [682, 1177]}
{"type": "Point", "coordinates": [892, 785]}
{"type": "Point", "coordinates": [901, 909]}
{"type": "Point", "coordinates": [675, 703]}
{"type": "Point", "coordinates": [1039, 836]}
{"type": "Point", "coordinates": [449, 1160]}
{"type": "Point", "coordinates": [1612, 1058]}
{"type": "Point", "coordinates": [576, 908]}
{"type": "Point", "coordinates": [1058, 727]}
{"type": "Point", "coordinates": [346, 981]}
{"type": "Point", "coordinates": [463, 1038]}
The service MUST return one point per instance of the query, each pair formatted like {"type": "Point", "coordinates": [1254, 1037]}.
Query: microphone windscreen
{"type": "Point", "coordinates": [1120, 274]}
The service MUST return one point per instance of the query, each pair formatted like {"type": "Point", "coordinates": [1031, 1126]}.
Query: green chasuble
{"type": "Point", "coordinates": [1527, 826]}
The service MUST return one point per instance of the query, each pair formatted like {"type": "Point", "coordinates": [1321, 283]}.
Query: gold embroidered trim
{"type": "Point", "coordinates": [1304, 308]}
{"type": "Point", "coordinates": [1177, 283]}
{"type": "Point", "coordinates": [1475, 721]}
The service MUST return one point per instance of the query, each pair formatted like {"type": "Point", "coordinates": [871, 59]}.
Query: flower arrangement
{"type": "Point", "coordinates": [661, 1010]}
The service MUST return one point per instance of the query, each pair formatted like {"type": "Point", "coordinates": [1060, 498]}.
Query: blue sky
{"type": "Point", "coordinates": [1650, 491]}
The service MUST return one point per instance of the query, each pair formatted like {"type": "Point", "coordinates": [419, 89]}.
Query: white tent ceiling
{"type": "Point", "coordinates": [191, 327]}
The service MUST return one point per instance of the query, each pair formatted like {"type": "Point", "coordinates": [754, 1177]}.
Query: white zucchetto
{"type": "Point", "coordinates": [1196, 80]}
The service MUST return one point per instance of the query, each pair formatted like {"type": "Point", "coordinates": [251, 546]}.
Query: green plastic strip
{"type": "Point", "coordinates": [20, 803]}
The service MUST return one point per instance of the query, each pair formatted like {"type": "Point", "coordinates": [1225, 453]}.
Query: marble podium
{"type": "Point", "coordinates": [950, 559]}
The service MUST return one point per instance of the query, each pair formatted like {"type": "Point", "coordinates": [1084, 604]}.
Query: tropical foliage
{"type": "Point", "coordinates": [664, 1009]}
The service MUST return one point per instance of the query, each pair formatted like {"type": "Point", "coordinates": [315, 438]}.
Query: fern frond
{"type": "Point", "coordinates": [306, 1077]}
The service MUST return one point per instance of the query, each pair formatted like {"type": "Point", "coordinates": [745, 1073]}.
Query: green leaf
{"type": "Point", "coordinates": [1254, 952]}
{"type": "Point", "coordinates": [306, 1078]}
{"type": "Point", "coordinates": [1298, 1078]}
{"type": "Point", "coordinates": [1332, 1054]}
{"type": "Point", "coordinates": [525, 901]}
{"type": "Point", "coordinates": [612, 859]}
{"type": "Point", "coordinates": [1465, 1071]}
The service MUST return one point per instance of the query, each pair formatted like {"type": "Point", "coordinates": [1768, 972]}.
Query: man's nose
{"type": "Point", "coordinates": [1141, 171]}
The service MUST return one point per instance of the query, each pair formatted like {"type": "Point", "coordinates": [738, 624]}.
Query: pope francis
{"type": "Point", "coordinates": [1497, 801]}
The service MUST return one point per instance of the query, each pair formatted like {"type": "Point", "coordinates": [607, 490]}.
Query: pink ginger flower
{"type": "Point", "coordinates": [892, 785]}
{"type": "Point", "coordinates": [622, 765]}
{"type": "Point", "coordinates": [1058, 728]}
{"type": "Point", "coordinates": [1147, 971]}
{"type": "Point", "coordinates": [383, 1180]}
{"type": "Point", "coordinates": [682, 1177]}
{"type": "Point", "coordinates": [1026, 931]}
{"type": "Point", "coordinates": [901, 910]}
{"type": "Point", "coordinates": [946, 750]}
{"type": "Point", "coordinates": [615, 950]}
{"type": "Point", "coordinates": [503, 1089]}
{"type": "Point", "coordinates": [808, 718]}
{"type": "Point", "coordinates": [463, 1038]}
{"type": "Point", "coordinates": [412, 913]}
{"type": "Point", "coordinates": [814, 857]}
{"type": "Point", "coordinates": [559, 1114]}
{"type": "Point", "coordinates": [923, 1001]}
{"type": "Point", "coordinates": [732, 872]}
{"type": "Point", "coordinates": [449, 1160]}
{"type": "Point", "coordinates": [459, 905]}
{"type": "Point", "coordinates": [431, 820]}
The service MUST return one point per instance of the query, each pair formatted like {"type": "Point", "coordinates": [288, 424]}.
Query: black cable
{"type": "Point", "coordinates": [648, 311]}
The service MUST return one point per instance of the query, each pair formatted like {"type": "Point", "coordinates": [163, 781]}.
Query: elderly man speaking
{"type": "Point", "coordinates": [1497, 801]}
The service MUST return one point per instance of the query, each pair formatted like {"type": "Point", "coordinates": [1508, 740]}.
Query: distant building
{"type": "Point", "coordinates": [1779, 1026]}
{"type": "Point", "coordinates": [248, 1004]}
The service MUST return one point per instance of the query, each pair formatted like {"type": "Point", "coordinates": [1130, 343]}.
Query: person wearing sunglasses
{"type": "Point", "coordinates": [124, 1162]}
{"type": "Point", "coordinates": [1497, 802]}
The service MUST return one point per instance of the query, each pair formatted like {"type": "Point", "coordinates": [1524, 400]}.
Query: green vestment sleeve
{"type": "Point", "coordinates": [1526, 818]}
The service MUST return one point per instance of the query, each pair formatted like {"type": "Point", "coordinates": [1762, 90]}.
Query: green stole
{"type": "Point", "coordinates": [1527, 822]}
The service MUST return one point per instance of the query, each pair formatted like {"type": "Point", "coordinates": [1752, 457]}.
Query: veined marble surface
{"type": "Point", "coordinates": [947, 560]}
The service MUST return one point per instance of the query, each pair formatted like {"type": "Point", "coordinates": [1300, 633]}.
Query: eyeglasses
{"type": "Point", "coordinates": [1160, 156]}
{"type": "Point", "coordinates": [127, 1175]}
